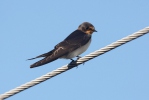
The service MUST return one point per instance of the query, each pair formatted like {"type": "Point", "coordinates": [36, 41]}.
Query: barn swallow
{"type": "Point", "coordinates": [72, 46]}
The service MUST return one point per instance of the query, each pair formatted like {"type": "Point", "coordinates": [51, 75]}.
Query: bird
{"type": "Point", "coordinates": [72, 46]}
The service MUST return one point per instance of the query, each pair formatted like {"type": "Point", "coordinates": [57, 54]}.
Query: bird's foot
{"type": "Point", "coordinates": [73, 62]}
{"type": "Point", "coordinates": [78, 57]}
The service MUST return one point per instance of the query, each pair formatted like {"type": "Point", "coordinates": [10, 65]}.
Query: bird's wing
{"type": "Point", "coordinates": [76, 40]}
{"type": "Point", "coordinates": [56, 53]}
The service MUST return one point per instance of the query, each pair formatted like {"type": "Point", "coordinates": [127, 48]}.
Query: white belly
{"type": "Point", "coordinates": [77, 51]}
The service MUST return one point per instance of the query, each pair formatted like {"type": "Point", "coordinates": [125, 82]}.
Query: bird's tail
{"type": "Point", "coordinates": [49, 57]}
{"type": "Point", "coordinates": [43, 61]}
{"type": "Point", "coordinates": [43, 55]}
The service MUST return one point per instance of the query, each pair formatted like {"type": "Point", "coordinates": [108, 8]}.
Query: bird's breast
{"type": "Point", "coordinates": [78, 51]}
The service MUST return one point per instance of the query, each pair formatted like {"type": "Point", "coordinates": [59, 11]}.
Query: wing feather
{"type": "Point", "coordinates": [57, 53]}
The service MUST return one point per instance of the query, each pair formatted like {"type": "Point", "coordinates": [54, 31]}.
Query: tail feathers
{"type": "Point", "coordinates": [43, 61]}
{"type": "Point", "coordinates": [43, 55]}
{"type": "Point", "coordinates": [34, 58]}
{"type": "Point", "coordinates": [50, 56]}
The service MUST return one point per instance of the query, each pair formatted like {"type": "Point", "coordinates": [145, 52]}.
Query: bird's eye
{"type": "Point", "coordinates": [89, 28]}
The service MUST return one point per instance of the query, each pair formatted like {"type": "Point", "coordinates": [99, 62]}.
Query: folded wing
{"type": "Point", "coordinates": [57, 53]}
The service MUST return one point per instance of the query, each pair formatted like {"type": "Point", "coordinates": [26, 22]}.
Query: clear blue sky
{"type": "Point", "coordinates": [32, 27]}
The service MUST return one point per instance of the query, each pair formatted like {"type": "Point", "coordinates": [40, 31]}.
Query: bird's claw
{"type": "Point", "coordinates": [79, 58]}
{"type": "Point", "coordinates": [72, 61]}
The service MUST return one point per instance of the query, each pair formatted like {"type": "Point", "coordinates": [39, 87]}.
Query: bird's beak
{"type": "Point", "coordinates": [95, 31]}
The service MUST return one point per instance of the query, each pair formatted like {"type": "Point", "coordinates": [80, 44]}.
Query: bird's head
{"type": "Point", "coordinates": [87, 28]}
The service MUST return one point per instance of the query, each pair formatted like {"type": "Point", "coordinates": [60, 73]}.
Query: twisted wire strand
{"type": "Point", "coordinates": [75, 63]}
